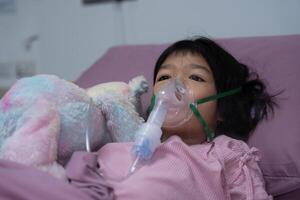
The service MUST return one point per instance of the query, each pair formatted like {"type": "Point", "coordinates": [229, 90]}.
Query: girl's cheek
{"type": "Point", "coordinates": [203, 91]}
{"type": "Point", "coordinates": [209, 112]}
{"type": "Point", "coordinates": [156, 88]}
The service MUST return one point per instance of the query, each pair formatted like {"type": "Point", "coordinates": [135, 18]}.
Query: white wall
{"type": "Point", "coordinates": [16, 29]}
{"type": "Point", "coordinates": [72, 36]}
{"type": "Point", "coordinates": [167, 20]}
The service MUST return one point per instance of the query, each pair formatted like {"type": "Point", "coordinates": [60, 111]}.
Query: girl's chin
{"type": "Point", "coordinates": [188, 134]}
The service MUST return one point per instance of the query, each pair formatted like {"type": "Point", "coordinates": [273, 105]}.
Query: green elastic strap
{"type": "Point", "coordinates": [209, 133]}
{"type": "Point", "coordinates": [218, 96]}
{"type": "Point", "coordinates": [152, 103]}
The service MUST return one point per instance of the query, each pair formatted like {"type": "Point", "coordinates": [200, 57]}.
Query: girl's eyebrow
{"type": "Point", "coordinates": [193, 66]}
{"type": "Point", "coordinates": [166, 66]}
{"type": "Point", "coordinates": [197, 66]}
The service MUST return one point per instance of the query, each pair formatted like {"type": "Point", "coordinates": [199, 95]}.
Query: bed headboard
{"type": "Point", "coordinates": [275, 58]}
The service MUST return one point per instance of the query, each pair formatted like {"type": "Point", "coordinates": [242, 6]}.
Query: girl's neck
{"type": "Point", "coordinates": [188, 139]}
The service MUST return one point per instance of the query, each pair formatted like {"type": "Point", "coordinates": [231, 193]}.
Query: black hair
{"type": "Point", "coordinates": [241, 112]}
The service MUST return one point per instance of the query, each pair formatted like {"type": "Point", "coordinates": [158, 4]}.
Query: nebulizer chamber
{"type": "Point", "coordinates": [171, 109]}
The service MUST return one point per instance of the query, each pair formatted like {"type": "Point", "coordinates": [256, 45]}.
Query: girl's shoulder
{"type": "Point", "coordinates": [227, 142]}
{"type": "Point", "coordinates": [229, 149]}
{"type": "Point", "coordinates": [242, 174]}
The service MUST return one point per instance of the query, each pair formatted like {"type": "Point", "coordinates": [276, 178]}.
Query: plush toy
{"type": "Point", "coordinates": [44, 119]}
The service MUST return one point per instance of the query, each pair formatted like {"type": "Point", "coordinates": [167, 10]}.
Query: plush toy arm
{"type": "Point", "coordinates": [120, 103]}
{"type": "Point", "coordinates": [138, 86]}
{"type": "Point", "coordinates": [122, 120]}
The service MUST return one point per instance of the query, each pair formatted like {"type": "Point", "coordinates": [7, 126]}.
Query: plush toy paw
{"type": "Point", "coordinates": [120, 103]}
{"type": "Point", "coordinates": [54, 169]}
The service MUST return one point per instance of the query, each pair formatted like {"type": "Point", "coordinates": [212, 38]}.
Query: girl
{"type": "Point", "coordinates": [204, 157]}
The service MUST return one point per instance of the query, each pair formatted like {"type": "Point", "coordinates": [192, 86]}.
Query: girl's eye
{"type": "Point", "coordinates": [164, 77]}
{"type": "Point", "coordinates": [196, 78]}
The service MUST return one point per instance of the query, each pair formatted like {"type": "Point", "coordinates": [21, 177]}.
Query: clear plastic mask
{"type": "Point", "coordinates": [178, 97]}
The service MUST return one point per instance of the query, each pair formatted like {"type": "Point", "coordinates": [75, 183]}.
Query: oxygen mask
{"type": "Point", "coordinates": [177, 96]}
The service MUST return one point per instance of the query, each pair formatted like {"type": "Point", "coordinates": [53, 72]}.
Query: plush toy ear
{"type": "Point", "coordinates": [134, 89]}
{"type": "Point", "coordinates": [138, 86]}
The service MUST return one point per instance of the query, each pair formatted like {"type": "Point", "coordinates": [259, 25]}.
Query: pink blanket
{"type": "Point", "coordinates": [20, 182]}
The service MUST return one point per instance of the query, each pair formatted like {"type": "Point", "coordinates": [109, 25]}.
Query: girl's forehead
{"type": "Point", "coordinates": [185, 57]}
{"type": "Point", "coordinates": [185, 53]}
{"type": "Point", "coordinates": [186, 61]}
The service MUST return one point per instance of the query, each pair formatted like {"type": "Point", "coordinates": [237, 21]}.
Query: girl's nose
{"type": "Point", "coordinates": [179, 79]}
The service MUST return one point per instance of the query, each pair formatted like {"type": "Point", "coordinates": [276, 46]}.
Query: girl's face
{"type": "Point", "coordinates": [195, 73]}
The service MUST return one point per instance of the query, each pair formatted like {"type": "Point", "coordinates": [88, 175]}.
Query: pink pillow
{"type": "Point", "coordinates": [275, 58]}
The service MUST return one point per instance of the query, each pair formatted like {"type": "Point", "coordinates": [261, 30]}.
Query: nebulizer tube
{"type": "Point", "coordinates": [172, 97]}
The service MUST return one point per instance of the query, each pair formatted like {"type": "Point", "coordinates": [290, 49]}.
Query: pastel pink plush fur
{"type": "Point", "coordinates": [44, 119]}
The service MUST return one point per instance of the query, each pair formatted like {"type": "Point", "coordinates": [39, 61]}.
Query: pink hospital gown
{"type": "Point", "coordinates": [223, 169]}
